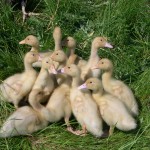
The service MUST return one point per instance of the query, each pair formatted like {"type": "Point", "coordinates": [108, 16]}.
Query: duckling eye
{"type": "Point", "coordinates": [47, 62]}
{"type": "Point", "coordinates": [91, 82]}
{"type": "Point", "coordinates": [101, 40]}
{"type": "Point", "coordinates": [102, 62]}
{"type": "Point", "coordinates": [33, 54]}
{"type": "Point", "coordinates": [68, 67]}
{"type": "Point", "coordinates": [28, 39]}
{"type": "Point", "coordinates": [39, 93]}
{"type": "Point", "coordinates": [56, 53]}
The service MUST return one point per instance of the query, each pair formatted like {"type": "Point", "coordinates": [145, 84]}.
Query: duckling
{"type": "Point", "coordinates": [117, 87]}
{"type": "Point", "coordinates": [86, 72]}
{"type": "Point", "coordinates": [43, 83]}
{"type": "Point", "coordinates": [70, 43]}
{"type": "Point", "coordinates": [83, 106]}
{"type": "Point", "coordinates": [62, 59]}
{"type": "Point", "coordinates": [31, 41]}
{"type": "Point", "coordinates": [14, 88]}
{"type": "Point", "coordinates": [34, 43]}
{"type": "Point", "coordinates": [112, 110]}
{"type": "Point", "coordinates": [23, 121]}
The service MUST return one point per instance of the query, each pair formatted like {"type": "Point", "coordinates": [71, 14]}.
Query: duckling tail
{"type": "Point", "coordinates": [129, 125]}
{"type": "Point", "coordinates": [8, 129]}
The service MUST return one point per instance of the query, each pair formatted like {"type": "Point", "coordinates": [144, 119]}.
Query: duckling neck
{"type": "Point", "coordinates": [107, 75]}
{"type": "Point", "coordinates": [35, 48]}
{"type": "Point", "coordinates": [57, 45]}
{"type": "Point", "coordinates": [44, 72]}
{"type": "Point", "coordinates": [28, 66]}
{"type": "Point", "coordinates": [76, 81]}
{"type": "Point", "coordinates": [70, 51]}
{"type": "Point", "coordinates": [94, 55]}
{"type": "Point", "coordinates": [97, 94]}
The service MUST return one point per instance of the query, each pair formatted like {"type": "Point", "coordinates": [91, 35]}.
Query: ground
{"type": "Point", "coordinates": [126, 24]}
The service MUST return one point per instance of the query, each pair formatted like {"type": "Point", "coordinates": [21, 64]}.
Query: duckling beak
{"type": "Point", "coordinates": [40, 58]}
{"type": "Point", "coordinates": [52, 69]}
{"type": "Point", "coordinates": [22, 42]}
{"type": "Point", "coordinates": [108, 45]}
{"type": "Point", "coordinates": [62, 70]}
{"type": "Point", "coordinates": [83, 86]}
{"type": "Point", "coordinates": [51, 56]}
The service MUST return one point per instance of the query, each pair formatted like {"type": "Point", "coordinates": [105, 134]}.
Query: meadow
{"type": "Point", "coordinates": [125, 23]}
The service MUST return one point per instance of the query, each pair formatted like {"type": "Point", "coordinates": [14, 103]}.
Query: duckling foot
{"type": "Point", "coordinates": [77, 132]}
{"type": "Point", "coordinates": [80, 132]}
{"type": "Point", "coordinates": [70, 129]}
{"type": "Point", "coordinates": [111, 130]}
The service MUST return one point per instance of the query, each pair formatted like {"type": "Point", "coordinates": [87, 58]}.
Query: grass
{"type": "Point", "coordinates": [127, 26]}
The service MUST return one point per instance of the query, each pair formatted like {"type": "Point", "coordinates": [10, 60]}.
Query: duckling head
{"type": "Point", "coordinates": [69, 42]}
{"type": "Point", "coordinates": [30, 40]}
{"type": "Point", "coordinates": [58, 56]}
{"type": "Point", "coordinates": [105, 64]}
{"type": "Point", "coordinates": [71, 70]}
{"type": "Point", "coordinates": [93, 84]}
{"type": "Point", "coordinates": [101, 42]}
{"type": "Point", "coordinates": [48, 64]}
{"type": "Point", "coordinates": [31, 57]}
{"type": "Point", "coordinates": [57, 35]}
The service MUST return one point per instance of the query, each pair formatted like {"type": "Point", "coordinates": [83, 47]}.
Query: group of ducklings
{"type": "Point", "coordinates": [67, 84]}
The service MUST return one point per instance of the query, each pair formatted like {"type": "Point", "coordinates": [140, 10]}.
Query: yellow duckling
{"type": "Point", "coordinates": [112, 110]}
{"type": "Point", "coordinates": [117, 87]}
{"type": "Point", "coordinates": [23, 121]}
{"type": "Point", "coordinates": [34, 43]}
{"type": "Point", "coordinates": [70, 43]}
{"type": "Point", "coordinates": [44, 83]}
{"type": "Point", "coordinates": [16, 87]}
{"type": "Point", "coordinates": [83, 106]}
{"type": "Point", "coordinates": [31, 41]}
{"type": "Point", "coordinates": [60, 57]}
{"type": "Point", "coordinates": [35, 46]}
{"type": "Point", "coordinates": [59, 104]}
{"type": "Point", "coordinates": [86, 72]}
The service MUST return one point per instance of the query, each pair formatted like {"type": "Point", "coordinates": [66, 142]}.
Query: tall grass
{"type": "Point", "coordinates": [126, 24]}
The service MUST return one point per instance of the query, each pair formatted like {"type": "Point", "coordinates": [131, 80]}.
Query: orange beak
{"type": "Point", "coordinates": [108, 45]}
{"type": "Point", "coordinates": [22, 42]}
{"type": "Point", "coordinates": [52, 69]}
{"type": "Point", "coordinates": [40, 58]}
{"type": "Point", "coordinates": [52, 56]}
{"type": "Point", "coordinates": [83, 86]}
